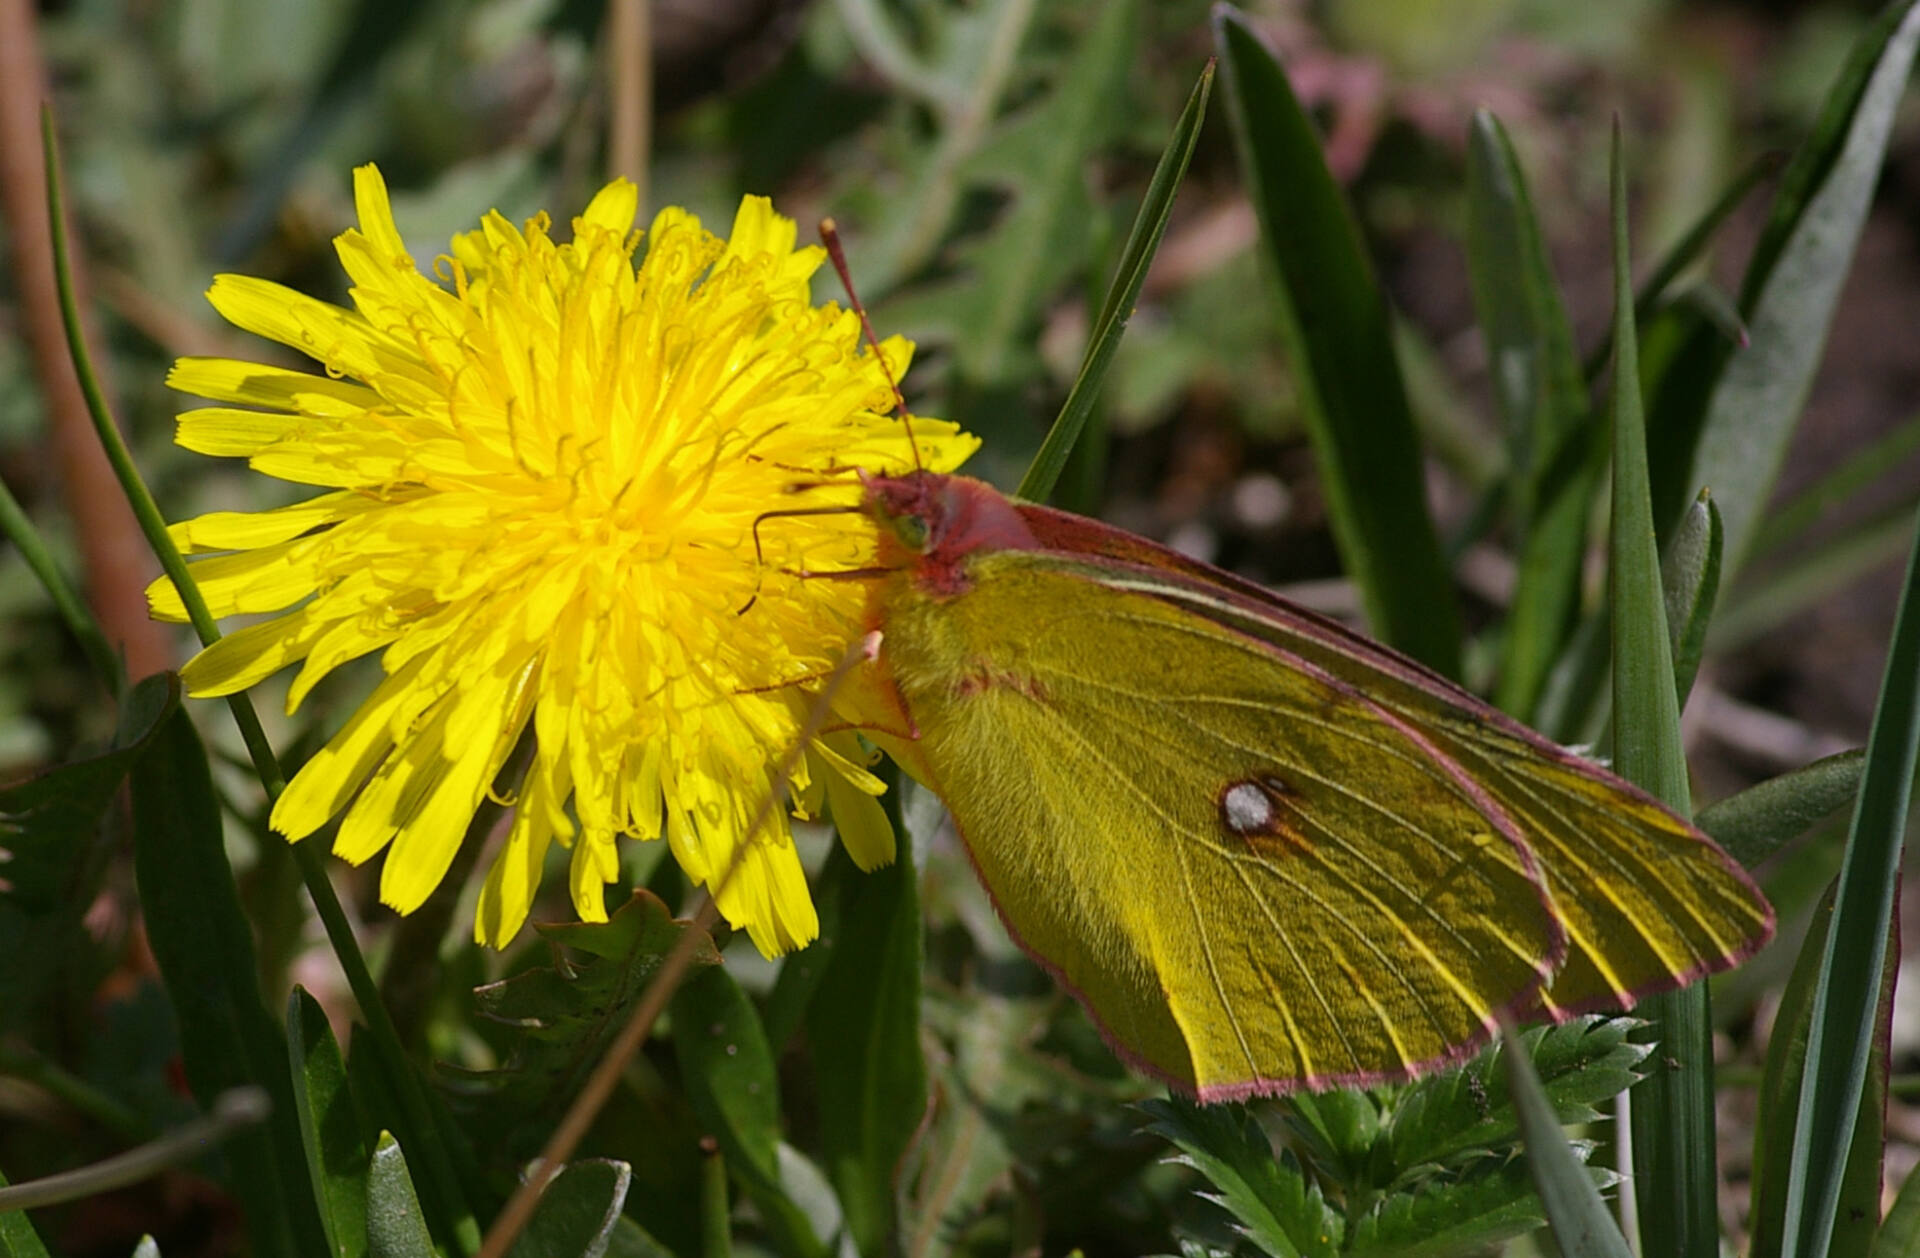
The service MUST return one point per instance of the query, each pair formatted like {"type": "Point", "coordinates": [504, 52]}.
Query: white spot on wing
{"type": "Point", "coordinates": [1246, 809]}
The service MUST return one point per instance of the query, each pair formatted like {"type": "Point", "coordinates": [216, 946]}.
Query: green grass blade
{"type": "Point", "coordinates": [1842, 1032]}
{"type": "Point", "coordinates": [1794, 280]}
{"type": "Point", "coordinates": [1781, 1084]}
{"type": "Point", "coordinates": [1673, 1136]}
{"type": "Point", "coordinates": [863, 1031]}
{"type": "Point", "coordinates": [330, 1126]}
{"type": "Point", "coordinates": [204, 948]}
{"type": "Point", "coordinates": [1135, 258]}
{"type": "Point", "coordinates": [1762, 819]}
{"type": "Point", "coordinates": [1334, 320]}
{"type": "Point", "coordinates": [1582, 1226]}
{"type": "Point", "coordinates": [1690, 578]}
{"type": "Point", "coordinates": [1543, 401]}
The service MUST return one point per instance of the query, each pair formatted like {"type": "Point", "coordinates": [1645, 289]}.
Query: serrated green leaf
{"type": "Point", "coordinates": [1762, 819]}
{"type": "Point", "coordinates": [1793, 282]}
{"type": "Point", "coordinates": [1280, 1211]}
{"type": "Point", "coordinates": [577, 1212]}
{"type": "Point", "coordinates": [1581, 1224]}
{"type": "Point", "coordinates": [331, 1126]}
{"type": "Point", "coordinates": [396, 1228]}
{"type": "Point", "coordinates": [50, 835]}
{"type": "Point", "coordinates": [1333, 318]}
{"type": "Point", "coordinates": [1038, 158]}
{"type": "Point", "coordinates": [1853, 961]}
{"type": "Point", "coordinates": [863, 1036]}
{"type": "Point", "coordinates": [1439, 1219]}
{"type": "Point", "coordinates": [204, 948]}
{"type": "Point", "coordinates": [1690, 582]}
{"type": "Point", "coordinates": [1117, 309]}
{"type": "Point", "coordinates": [1466, 1111]}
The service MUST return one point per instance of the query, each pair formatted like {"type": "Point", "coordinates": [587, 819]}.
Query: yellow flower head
{"type": "Point", "coordinates": [543, 476]}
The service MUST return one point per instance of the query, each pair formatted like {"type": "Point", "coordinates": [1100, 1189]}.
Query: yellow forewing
{"type": "Point", "coordinates": [1255, 874]}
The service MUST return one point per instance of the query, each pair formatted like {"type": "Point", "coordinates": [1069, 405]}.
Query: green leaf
{"type": "Point", "coordinates": [1277, 1208]}
{"type": "Point", "coordinates": [1337, 1132]}
{"type": "Point", "coordinates": [1142, 242]}
{"type": "Point", "coordinates": [728, 1072]}
{"type": "Point", "coordinates": [50, 835]}
{"type": "Point", "coordinates": [1900, 1231]}
{"type": "Point", "coordinates": [17, 1237]}
{"type": "Point", "coordinates": [204, 949]}
{"type": "Point", "coordinates": [1762, 819]}
{"type": "Point", "coordinates": [1690, 581]}
{"type": "Point", "coordinates": [863, 1035]}
{"type": "Point", "coordinates": [1781, 1084]}
{"type": "Point", "coordinates": [1581, 1225]}
{"type": "Point", "coordinates": [395, 1226]}
{"type": "Point", "coordinates": [331, 1126]}
{"type": "Point", "coordinates": [1333, 318]}
{"type": "Point", "coordinates": [1543, 402]}
{"type": "Point", "coordinates": [577, 1212]}
{"type": "Point", "coordinates": [1850, 975]}
{"type": "Point", "coordinates": [1672, 1127]}
{"type": "Point", "coordinates": [1462, 1113]}
{"type": "Point", "coordinates": [1793, 281]}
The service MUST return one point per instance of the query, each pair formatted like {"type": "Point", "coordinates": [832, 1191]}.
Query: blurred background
{"type": "Point", "coordinates": [983, 159]}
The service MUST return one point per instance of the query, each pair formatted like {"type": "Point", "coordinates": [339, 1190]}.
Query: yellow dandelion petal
{"type": "Point", "coordinates": [558, 497]}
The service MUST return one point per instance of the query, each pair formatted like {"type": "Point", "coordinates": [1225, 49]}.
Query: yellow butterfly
{"type": "Point", "coordinates": [1264, 852]}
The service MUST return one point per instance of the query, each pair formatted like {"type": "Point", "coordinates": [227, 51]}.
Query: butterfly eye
{"type": "Point", "coordinates": [912, 530]}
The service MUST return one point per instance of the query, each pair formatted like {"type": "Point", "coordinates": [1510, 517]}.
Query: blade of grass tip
{"type": "Point", "coordinates": [1335, 323]}
{"type": "Point", "coordinates": [1841, 1038]}
{"type": "Point", "coordinates": [18, 528]}
{"type": "Point", "coordinates": [1672, 1111]}
{"type": "Point", "coordinates": [1581, 1224]}
{"type": "Point", "coordinates": [1135, 259]}
{"type": "Point", "coordinates": [313, 872]}
{"type": "Point", "coordinates": [1685, 250]}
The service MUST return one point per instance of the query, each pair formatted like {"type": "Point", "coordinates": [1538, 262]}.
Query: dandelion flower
{"type": "Point", "coordinates": [541, 475]}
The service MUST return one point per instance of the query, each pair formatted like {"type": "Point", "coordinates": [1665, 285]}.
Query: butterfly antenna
{"type": "Point", "coordinates": [830, 236]}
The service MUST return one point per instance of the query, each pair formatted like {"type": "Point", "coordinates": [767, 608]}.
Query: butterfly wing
{"type": "Point", "coordinates": [1254, 875]}
{"type": "Point", "coordinates": [1647, 901]}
